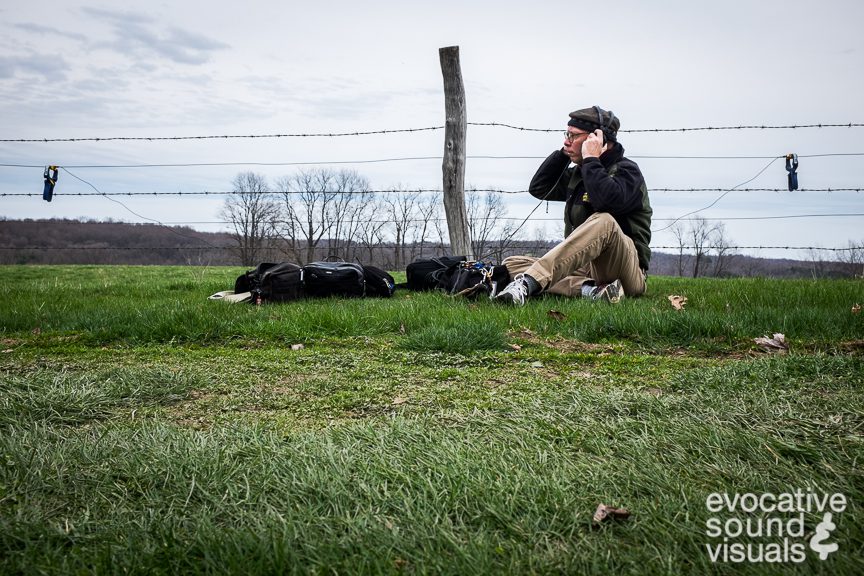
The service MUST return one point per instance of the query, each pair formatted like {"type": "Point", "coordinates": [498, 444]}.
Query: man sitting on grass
{"type": "Point", "coordinates": [607, 218]}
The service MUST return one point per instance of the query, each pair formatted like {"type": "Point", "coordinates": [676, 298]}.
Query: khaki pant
{"type": "Point", "coordinates": [597, 250]}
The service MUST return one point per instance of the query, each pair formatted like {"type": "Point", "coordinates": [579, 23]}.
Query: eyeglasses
{"type": "Point", "coordinates": [573, 136]}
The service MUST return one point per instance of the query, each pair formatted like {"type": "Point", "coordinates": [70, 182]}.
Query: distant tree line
{"type": "Point", "coordinates": [327, 214]}
{"type": "Point", "coordinates": [322, 213]}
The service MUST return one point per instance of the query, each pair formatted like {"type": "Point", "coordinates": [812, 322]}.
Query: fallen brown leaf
{"type": "Point", "coordinates": [856, 309]}
{"type": "Point", "coordinates": [297, 347]}
{"type": "Point", "coordinates": [515, 347]}
{"type": "Point", "coordinates": [604, 512]}
{"type": "Point", "coordinates": [399, 400]}
{"type": "Point", "coordinates": [556, 315]}
{"type": "Point", "coordinates": [677, 301]}
{"type": "Point", "coordinates": [775, 344]}
{"type": "Point", "coordinates": [402, 328]}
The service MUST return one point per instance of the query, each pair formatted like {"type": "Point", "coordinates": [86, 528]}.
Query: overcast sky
{"type": "Point", "coordinates": [163, 69]}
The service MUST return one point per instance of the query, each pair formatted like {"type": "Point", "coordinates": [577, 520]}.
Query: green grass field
{"type": "Point", "coordinates": [145, 429]}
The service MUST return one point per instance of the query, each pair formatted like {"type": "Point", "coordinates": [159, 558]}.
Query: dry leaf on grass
{"type": "Point", "coordinates": [399, 400]}
{"type": "Point", "coordinates": [856, 309]}
{"type": "Point", "coordinates": [515, 347]}
{"type": "Point", "coordinates": [297, 346]}
{"type": "Point", "coordinates": [775, 344]}
{"type": "Point", "coordinates": [556, 315]}
{"type": "Point", "coordinates": [677, 301]}
{"type": "Point", "coordinates": [604, 512]}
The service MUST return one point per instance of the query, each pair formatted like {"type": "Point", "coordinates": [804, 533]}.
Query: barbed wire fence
{"type": "Point", "coordinates": [514, 245]}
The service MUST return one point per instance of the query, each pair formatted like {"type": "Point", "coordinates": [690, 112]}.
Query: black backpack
{"type": "Point", "coordinates": [280, 283]}
{"type": "Point", "coordinates": [378, 282]}
{"type": "Point", "coordinates": [322, 279]}
{"type": "Point", "coordinates": [271, 282]}
{"type": "Point", "coordinates": [251, 279]}
{"type": "Point", "coordinates": [471, 278]}
{"type": "Point", "coordinates": [426, 274]}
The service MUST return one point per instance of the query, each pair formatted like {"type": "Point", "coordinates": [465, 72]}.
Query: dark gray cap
{"type": "Point", "coordinates": [590, 119]}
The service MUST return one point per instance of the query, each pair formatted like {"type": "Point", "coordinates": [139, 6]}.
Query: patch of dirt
{"type": "Point", "coordinates": [562, 344]}
{"type": "Point", "coordinates": [852, 346]}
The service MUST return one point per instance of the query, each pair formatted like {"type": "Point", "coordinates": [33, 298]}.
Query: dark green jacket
{"type": "Point", "coordinates": [611, 183]}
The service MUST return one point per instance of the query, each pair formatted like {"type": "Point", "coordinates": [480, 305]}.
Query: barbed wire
{"type": "Point", "coordinates": [405, 191]}
{"type": "Point", "coordinates": [403, 159]}
{"type": "Point", "coordinates": [430, 190]}
{"type": "Point", "coordinates": [224, 136]}
{"type": "Point", "coordinates": [691, 129]}
{"type": "Point", "coordinates": [409, 130]}
{"type": "Point", "coordinates": [442, 219]}
{"type": "Point", "coordinates": [507, 248]}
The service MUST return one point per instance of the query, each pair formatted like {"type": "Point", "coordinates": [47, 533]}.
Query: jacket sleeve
{"type": "Point", "coordinates": [618, 194]}
{"type": "Point", "coordinates": [550, 181]}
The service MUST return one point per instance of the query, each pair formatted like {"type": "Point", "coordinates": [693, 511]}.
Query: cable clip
{"type": "Point", "coordinates": [792, 167]}
{"type": "Point", "coordinates": [51, 173]}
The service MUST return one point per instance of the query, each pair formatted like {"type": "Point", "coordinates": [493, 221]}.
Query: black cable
{"type": "Point", "coordinates": [721, 196]}
{"type": "Point", "coordinates": [132, 211]}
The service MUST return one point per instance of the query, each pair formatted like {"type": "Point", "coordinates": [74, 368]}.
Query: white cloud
{"type": "Point", "coordinates": [140, 36]}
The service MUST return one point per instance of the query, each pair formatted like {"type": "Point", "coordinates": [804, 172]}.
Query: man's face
{"type": "Point", "coordinates": [573, 139]}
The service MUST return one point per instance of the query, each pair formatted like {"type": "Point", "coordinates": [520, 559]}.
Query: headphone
{"type": "Point", "coordinates": [605, 125]}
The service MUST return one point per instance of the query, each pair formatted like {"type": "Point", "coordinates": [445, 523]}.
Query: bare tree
{"type": "Point", "coordinates": [251, 214]}
{"type": "Point", "coordinates": [370, 231]}
{"type": "Point", "coordinates": [507, 237]}
{"type": "Point", "coordinates": [703, 238]}
{"type": "Point", "coordinates": [401, 206]}
{"type": "Point", "coordinates": [429, 213]}
{"type": "Point", "coordinates": [321, 204]}
{"type": "Point", "coordinates": [722, 247]}
{"type": "Point", "coordinates": [484, 209]}
{"type": "Point", "coordinates": [701, 234]}
{"type": "Point", "coordinates": [680, 232]}
{"type": "Point", "coordinates": [492, 235]}
{"type": "Point", "coordinates": [305, 198]}
{"type": "Point", "coordinates": [854, 258]}
{"type": "Point", "coordinates": [350, 205]}
{"type": "Point", "coordinates": [816, 257]}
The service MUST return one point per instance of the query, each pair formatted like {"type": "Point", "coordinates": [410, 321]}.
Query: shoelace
{"type": "Point", "coordinates": [522, 287]}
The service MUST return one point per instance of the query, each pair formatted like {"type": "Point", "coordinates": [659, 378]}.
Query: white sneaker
{"type": "Point", "coordinates": [514, 293]}
{"type": "Point", "coordinates": [612, 292]}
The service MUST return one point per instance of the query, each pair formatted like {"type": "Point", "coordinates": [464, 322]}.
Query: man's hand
{"type": "Point", "coordinates": [593, 146]}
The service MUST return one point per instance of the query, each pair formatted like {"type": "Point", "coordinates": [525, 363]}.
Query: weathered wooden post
{"type": "Point", "coordinates": [454, 153]}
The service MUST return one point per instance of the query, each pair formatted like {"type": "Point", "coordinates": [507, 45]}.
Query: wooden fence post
{"type": "Point", "coordinates": [454, 153]}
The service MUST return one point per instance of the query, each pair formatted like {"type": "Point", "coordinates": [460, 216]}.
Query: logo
{"type": "Point", "coordinates": [770, 527]}
{"type": "Point", "coordinates": [823, 531]}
